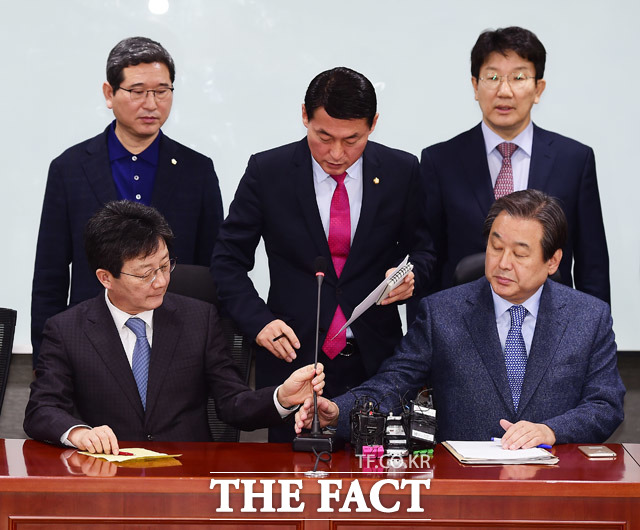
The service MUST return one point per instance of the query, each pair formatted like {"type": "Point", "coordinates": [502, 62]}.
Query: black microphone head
{"type": "Point", "coordinates": [320, 264]}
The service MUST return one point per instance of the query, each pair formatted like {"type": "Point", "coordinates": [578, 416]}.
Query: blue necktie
{"type": "Point", "coordinates": [515, 353]}
{"type": "Point", "coordinates": [140, 362]}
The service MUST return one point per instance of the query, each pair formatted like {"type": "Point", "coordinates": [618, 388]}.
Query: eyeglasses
{"type": "Point", "coordinates": [516, 80]}
{"type": "Point", "coordinates": [151, 276]}
{"type": "Point", "coordinates": [138, 94]}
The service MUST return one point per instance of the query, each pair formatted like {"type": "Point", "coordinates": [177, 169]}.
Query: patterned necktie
{"type": "Point", "coordinates": [515, 353]}
{"type": "Point", "coordinates": [339, 245]}
{"type": "Point", "coordinates": [141, 352]}
{"type": "Point", "coordinates": [504, 182]}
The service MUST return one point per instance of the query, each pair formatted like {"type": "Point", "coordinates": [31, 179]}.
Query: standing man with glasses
{"type": "Point", "coordinates": [507, 152]}
{"type": "Point", "coordinates": [138, 363]}
{"type": "Point", "coordinates": [132, 159]}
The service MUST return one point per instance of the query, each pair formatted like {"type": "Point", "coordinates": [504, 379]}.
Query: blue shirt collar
{"type": "Point", "coordinates": [532, 304]}
{"type": "Point", "coordinates": [118, 151]}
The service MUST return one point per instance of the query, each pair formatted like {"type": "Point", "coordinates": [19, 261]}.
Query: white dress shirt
{"type": "Point", "coordinates": [325, 186]}
{"type": "Point", "coordinates": [127, 336]}
{"type": "Point", "coordinates": [520, 160]}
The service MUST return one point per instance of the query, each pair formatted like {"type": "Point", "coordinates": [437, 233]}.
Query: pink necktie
{"type": "Point", "coordinates": [339, 244]}
{"type": "Point", "coordinates": [504, 182]}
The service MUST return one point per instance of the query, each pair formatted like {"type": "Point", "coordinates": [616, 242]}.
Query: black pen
{"type": "Point", "coordinates": [281, 336]}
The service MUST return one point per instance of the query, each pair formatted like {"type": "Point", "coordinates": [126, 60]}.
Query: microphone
{"type": "Point", "coordinates": [320, 264]}
{"type": "Point", "coordinates": [315, 441]}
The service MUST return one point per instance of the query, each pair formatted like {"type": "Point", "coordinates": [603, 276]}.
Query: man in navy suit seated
{"type": "Point", "coordinates": [131, 159]}
{"type": "Point", "coordinates": [512, 354]}
{"type": "Point", "coordinates": [507, 152]}
{"type": "Point", "coordinates": [138, 363]}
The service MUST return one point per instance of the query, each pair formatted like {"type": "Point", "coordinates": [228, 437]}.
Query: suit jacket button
{"type": "Point", "coordinates": [150, 437]}
{"type": "Point", "coordinates": [339, 292]}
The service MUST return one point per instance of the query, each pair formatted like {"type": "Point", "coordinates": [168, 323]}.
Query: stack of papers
{"type": "Point", "coordinates": [493, 453]}
{"type": "Point", "coordinates": [380, 293]}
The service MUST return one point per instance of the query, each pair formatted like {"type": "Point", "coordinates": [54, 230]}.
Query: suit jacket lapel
{"type": "Point", "coordinates": [481, 322]}
{"type": "Point", "coordinates": [167, 175]}
{"type": "Point", "coordinates": [542, 157]}
{"type": "Point", "coordinates": [97, 169]}
{"type": "Point", "coordinates": [372, 196]}
{"type": "Point", "coordinates": [550, 327]}
{"type": "Point", "coordinates": [167, 328]}
{"type": "Point", "coordinates": [102, 332]}
{"type": "Point", "coordinates": [476, 169]}
{"type": "Point", "coordinates": [302, 179]}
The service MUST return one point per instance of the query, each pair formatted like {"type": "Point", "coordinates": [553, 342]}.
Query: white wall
{"type": "Point", "coordinates": [242, 70]}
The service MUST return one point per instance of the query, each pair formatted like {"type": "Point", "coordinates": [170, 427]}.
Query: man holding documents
{"type": "Point", "coordinates": [332, 194]}
{"type": "Point", "coordinates": [512, 355]}
{"type": "Point", "coordinates": [138, 363]}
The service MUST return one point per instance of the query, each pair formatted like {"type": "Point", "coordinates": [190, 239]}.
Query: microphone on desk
{"type": "Point", "coordinates": [316, 441]}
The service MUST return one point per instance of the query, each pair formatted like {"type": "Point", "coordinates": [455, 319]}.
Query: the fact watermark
{"type": "Point", "coordinates": [368, 462]}
{"type": "Point", "coordinates": [344, 495]}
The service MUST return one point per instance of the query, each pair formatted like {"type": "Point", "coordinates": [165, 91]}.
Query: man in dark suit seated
{"type": "Point", "coordinates": [138, 363]}
{"type": "Point", "coordinates": [132, 159]}
{"type": "Point", "coordinates": [513, 354]}
{"type": "Point", "coordinates": [507, 152]}
{"type": "Point", "coordinates": [332, 194]}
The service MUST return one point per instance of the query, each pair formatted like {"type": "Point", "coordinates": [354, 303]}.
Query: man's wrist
{"type": "Point", "coordinates": [334, 421]}
{"type": "Point", "coordinates": [65, 440]}
{"type": "Point", "coordinates": [284, 403]}
{"type": "Point", "coordinates": [283, 410]}
{"type": "Point", "coordinates": [551, 434]}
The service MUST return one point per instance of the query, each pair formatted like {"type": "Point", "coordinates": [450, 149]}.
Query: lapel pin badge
{"type": "Point", "coordinates": [174, 161]}
{"type": "Point", "coordinates": [376, 180]}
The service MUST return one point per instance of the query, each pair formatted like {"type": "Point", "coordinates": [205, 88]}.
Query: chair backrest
{"type": "Point", "coordinates": [471, 268]}
{"type": "Point", "coordinates": [195, 281]}
{"type": "Point", "coordinates": [8, 319]}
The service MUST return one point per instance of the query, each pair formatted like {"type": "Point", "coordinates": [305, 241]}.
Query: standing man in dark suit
{"type": "Point", "coordinates": [463, 176]}
{"type": "Point", "coordinates": [513, 354]}
{"type": "Point", "coordinates": [136, 363]}
{"type": "Point", "coordinates": [332, 194]}
{"type": "Point", "coordinates": [132, 159]}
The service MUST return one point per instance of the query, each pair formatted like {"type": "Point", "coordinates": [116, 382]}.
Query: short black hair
{"type": "Point", "coordinates": [133, 51]}
{"type": "Point", "coordinates": [343, 93]}
{"type": "Point", "coordinates": [536, 205]}
{"type": "Point", "coordinates": [124, 230]}
{"type": "Point", "coordinates": [516, 39]}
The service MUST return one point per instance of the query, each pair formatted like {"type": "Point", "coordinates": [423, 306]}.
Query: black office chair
{"type": "Point", "coordinates": [471, 268]}
{"type": "Point", "coordinates": [195, 281]}
{"type": "Point", "coordinates": [8, 319]}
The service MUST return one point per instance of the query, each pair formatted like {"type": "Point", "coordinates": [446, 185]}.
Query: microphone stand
{"type": "Point", "coordinates": [315, 441]}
